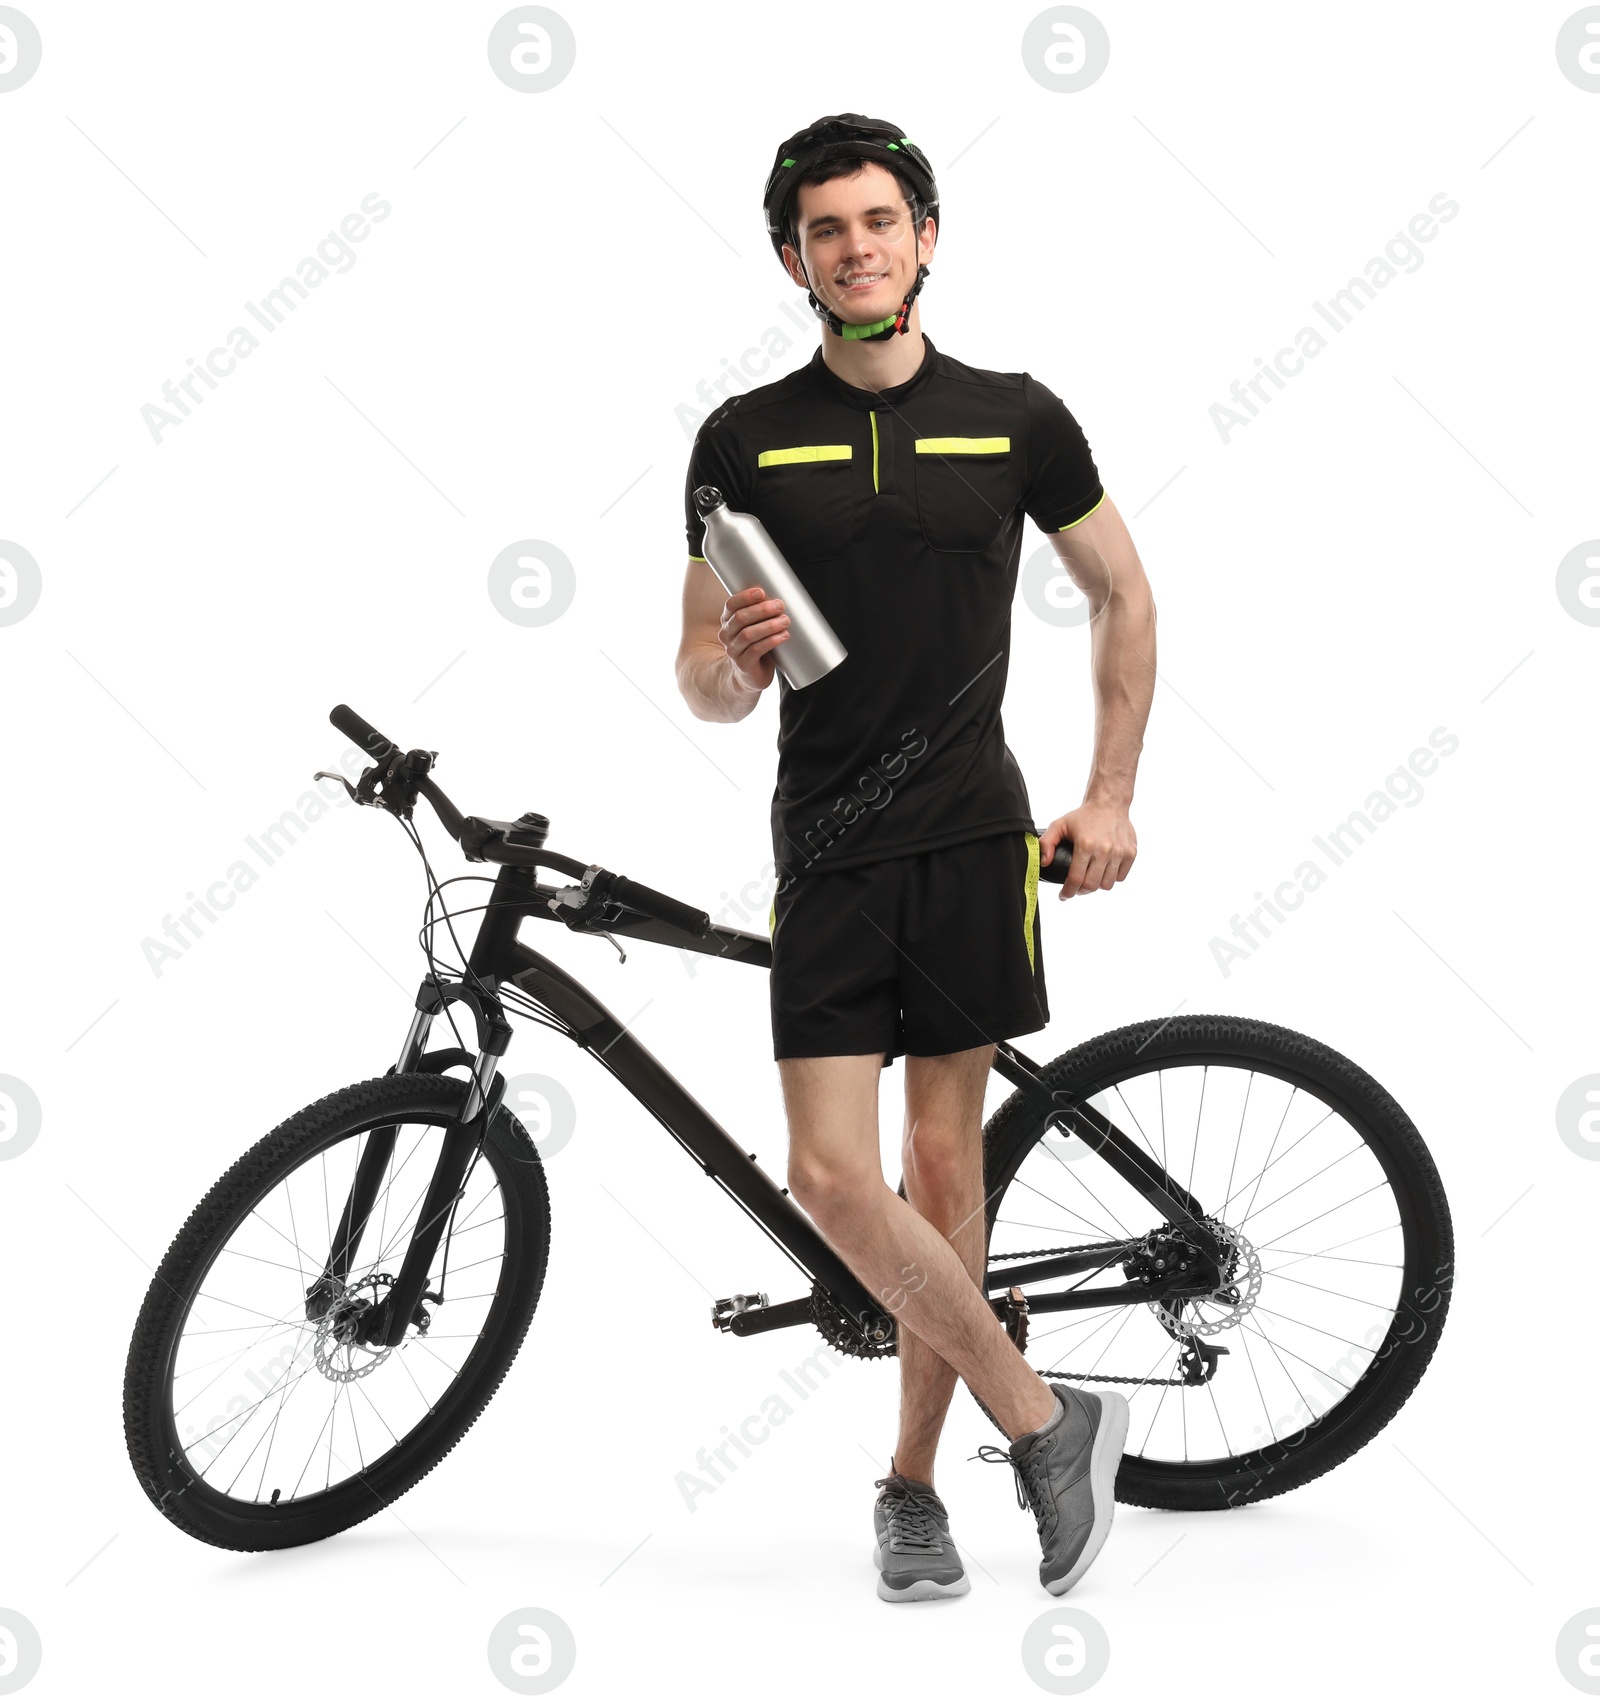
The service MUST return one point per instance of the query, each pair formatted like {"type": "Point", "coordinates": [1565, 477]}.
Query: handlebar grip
{"type": "Point", "coordinates": [662, 908]}
{"type": "Point", "coordinates": [362, 733]}
{"type": "Point", "coordinates": [1056, 869]}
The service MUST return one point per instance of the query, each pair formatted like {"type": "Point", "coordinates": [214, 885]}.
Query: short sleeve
{"type": "Point", "coordinates": [1063, 484]}
{"type": "Point", "coordinates": [715, 459]}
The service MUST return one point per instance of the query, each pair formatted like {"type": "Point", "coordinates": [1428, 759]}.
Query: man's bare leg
{"type": "Point", "coordinates": [942, 1160]}
{"type": "Point", "coordinates": [898, 1256]}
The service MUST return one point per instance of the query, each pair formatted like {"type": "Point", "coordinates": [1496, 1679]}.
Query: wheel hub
{"type": "Point", "coordinates": [341, 1355]}
{"type": "Point", "coordinates": [1227, 1272]}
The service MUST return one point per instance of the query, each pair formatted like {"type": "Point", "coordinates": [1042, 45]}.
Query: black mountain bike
{"type": "Point", "coordinates": [1273, 1236]}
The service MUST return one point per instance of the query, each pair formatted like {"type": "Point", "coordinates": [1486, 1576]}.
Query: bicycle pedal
{"type": "Point", "coordinates": [723, 1312]}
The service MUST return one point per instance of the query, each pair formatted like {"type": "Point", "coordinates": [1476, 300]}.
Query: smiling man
{"type": "Point", "coordinates": [896, 480]}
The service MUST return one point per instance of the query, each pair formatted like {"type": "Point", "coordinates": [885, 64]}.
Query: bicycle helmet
{"type": "Point", "coordinates": [847, 135]}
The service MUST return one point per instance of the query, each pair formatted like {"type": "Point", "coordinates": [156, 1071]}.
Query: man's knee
{"type": "Point", "coordinates": [941, 1163]}
{"type": "Point", "coordinates": [830, 1189]}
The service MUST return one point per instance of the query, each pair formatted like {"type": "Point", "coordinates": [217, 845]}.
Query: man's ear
{"type": "Point", "coordinates": [927, 240]}
{"type": "Point", "coordinates": [791, 262]}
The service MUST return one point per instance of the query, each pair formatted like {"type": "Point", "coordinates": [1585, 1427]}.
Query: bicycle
{"type": "Point", "coordinates": [323, 1273]}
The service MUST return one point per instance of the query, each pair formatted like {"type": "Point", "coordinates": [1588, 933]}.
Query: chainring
{"type": "Point", "coordinates": [840, 1331]}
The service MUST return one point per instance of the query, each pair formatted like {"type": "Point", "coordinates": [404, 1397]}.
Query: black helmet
{"type": "Point", "coordinates": [847, 135]}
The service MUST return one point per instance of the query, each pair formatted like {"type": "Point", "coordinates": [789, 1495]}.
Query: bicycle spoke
{"type": "Point", "coordinates": [1301, 1324]}
{"type": "Point", "coordinates": [1238, 1139]}
{"type": "Point", "coordinates": [1321, 1371]}
{"type": "Point", "coordinates": [1089, 1191]}
{"type": "Point", "coordinates": [1264, 1245]}
{"type": "Point", "coordinates": [1099, 1227]}
{"type": "Point", "coordinates": [1338, 1294]}
{"type": "Point", "coordinates": [1360, 1146]}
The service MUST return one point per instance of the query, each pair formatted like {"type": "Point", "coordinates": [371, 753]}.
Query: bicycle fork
{"type": "Point", "coordinates": [385, 1323]}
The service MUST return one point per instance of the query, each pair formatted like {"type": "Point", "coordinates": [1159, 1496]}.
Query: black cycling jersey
{"type": "Point", "coordinates": [901, 512]}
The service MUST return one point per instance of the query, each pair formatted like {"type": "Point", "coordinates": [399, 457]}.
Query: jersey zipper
{"type": "Point", "coordinates": [874, 418]}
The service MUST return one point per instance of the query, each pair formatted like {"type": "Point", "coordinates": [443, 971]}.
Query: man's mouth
{"type": "Point", "coordinates": [855, 281]}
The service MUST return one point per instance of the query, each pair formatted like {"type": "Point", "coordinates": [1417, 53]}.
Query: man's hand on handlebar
{"type": "Point", "coordinates": [1102, 845]}
{"type": "Point", "coordinates": [753, 626]}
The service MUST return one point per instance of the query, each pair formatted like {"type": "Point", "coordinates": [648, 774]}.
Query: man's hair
{"type": "Point", "coordinates": [847, 166]}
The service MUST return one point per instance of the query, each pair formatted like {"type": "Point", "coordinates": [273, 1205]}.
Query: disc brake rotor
{"type": "Point", "coordinates": [1236, 1293]}
{"type": "Point", "coordinates": [340, 1357]}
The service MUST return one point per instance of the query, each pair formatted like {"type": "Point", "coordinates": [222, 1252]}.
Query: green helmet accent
{"type": "Point", "coordinates": [852, 333]}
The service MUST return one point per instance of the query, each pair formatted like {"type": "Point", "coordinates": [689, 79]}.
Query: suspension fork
{"type": "Point", "coordinates": [388, 1321]}
{"type": "Point", "coordinates": [369, 1174]}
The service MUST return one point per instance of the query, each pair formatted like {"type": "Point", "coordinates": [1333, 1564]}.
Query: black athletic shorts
{"type": "Point", "coordinates": [926, 954]}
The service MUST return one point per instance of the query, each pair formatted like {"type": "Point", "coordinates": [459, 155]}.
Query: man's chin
{"type": "Point", "coordinates": [879, 305]}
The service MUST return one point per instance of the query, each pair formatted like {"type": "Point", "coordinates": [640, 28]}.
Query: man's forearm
{"type": "Point", "coordinates": [1124, 665]}
{"type": "Point", "coordinates": [713, 687]}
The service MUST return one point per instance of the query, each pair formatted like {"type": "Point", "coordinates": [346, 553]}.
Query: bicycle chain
{"type": "Point", "coordinates": [839, 1331]}
{"type": "Point", "coordinates": [1045, 1252]}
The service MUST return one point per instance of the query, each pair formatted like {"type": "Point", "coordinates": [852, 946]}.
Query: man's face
{"type": "Point", "coordinates": [860, 247]}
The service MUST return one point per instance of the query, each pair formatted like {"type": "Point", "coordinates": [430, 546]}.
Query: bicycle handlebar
{"type": "Point", "coordinates": [362, 733]}
{"type": "Point", "coordinates": [1056, 869]}
{"type": "Point", "coordinates": [486, 835]}
{"type": "Point", "coordinates": [657, 904]}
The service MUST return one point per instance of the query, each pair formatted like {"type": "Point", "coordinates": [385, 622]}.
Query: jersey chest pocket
{"type": "Point", "coordinates": [810, 500]}
{"type": "Point", "coordinates": [966, 486]}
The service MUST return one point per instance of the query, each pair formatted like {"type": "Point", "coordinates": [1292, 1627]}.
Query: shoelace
{"type": "Point", "coordinates": [911, 1518]}
{"type": "Point", "coordinates": [1032, 1484]}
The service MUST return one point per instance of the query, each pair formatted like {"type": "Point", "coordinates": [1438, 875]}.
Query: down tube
{"type": "Point", "coordinates": [649, 1081]}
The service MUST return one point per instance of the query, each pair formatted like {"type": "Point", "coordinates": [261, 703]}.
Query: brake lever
{"type": "Point", "coordinates": [583, 905]}
{"type": "Point", "coordinates": [328, 774]}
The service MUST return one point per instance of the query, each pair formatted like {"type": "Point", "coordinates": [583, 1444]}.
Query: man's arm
{"type": "Point", "coordinates": [725, 657]}
{"type": "Point", "coordinates": [1104, 565]}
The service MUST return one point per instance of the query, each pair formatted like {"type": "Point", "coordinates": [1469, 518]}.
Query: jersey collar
{"type": "Point", "coordinates": [867, 400]}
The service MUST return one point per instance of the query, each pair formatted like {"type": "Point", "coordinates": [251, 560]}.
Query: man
{"type": "Point", "coordinates": [895, 479]}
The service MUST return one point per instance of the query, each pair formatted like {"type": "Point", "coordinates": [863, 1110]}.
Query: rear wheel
{"type": "Point", "coordinates": [252, 1425]}
{"type": "Point", "coordinates": [1331, 1226]}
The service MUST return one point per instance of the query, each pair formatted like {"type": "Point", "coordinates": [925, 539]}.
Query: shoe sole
{"type": "Point", "coordinates": [923, 1590]}
{"type": "Point", "coordinates": [1106, 1456]}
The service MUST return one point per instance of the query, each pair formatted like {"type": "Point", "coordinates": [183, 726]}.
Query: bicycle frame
{"type": "Point", "coordinates": [499, 957]}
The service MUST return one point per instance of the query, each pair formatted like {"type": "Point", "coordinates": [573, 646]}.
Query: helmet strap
{"type": "Point", "coordinates": [895, 325]}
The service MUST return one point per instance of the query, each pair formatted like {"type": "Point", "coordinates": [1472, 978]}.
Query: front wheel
{"type": "Point", "coordinates": [1323, 1213]}
{"type": "Point", "coordinates": [253, 1424]}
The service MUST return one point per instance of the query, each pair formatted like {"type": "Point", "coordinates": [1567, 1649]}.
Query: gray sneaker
{"type": "Point", "coordinates": [915, 1557]}
{"type": "Point", "coordinates": [1068, 1478]}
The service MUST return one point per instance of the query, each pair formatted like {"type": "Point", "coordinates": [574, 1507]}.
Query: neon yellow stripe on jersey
{"type": "Point", "coordinates": [963, 445]}
{"type": "Point", "coordinates": [1081, 518]}
{"type": "Point", "coordinates": [1031, 893]}
{"type": "Point", "coordinates": [874, 418]}
{"type": "Point", "coordinates": [805, 452]}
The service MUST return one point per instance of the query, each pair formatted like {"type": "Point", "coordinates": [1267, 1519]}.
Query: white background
{"type": "Point", "coordinates": [1372, 558]}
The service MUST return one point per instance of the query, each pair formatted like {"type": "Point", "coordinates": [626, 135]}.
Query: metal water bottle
{"type": "Point", "coordinates": [742, 554]}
